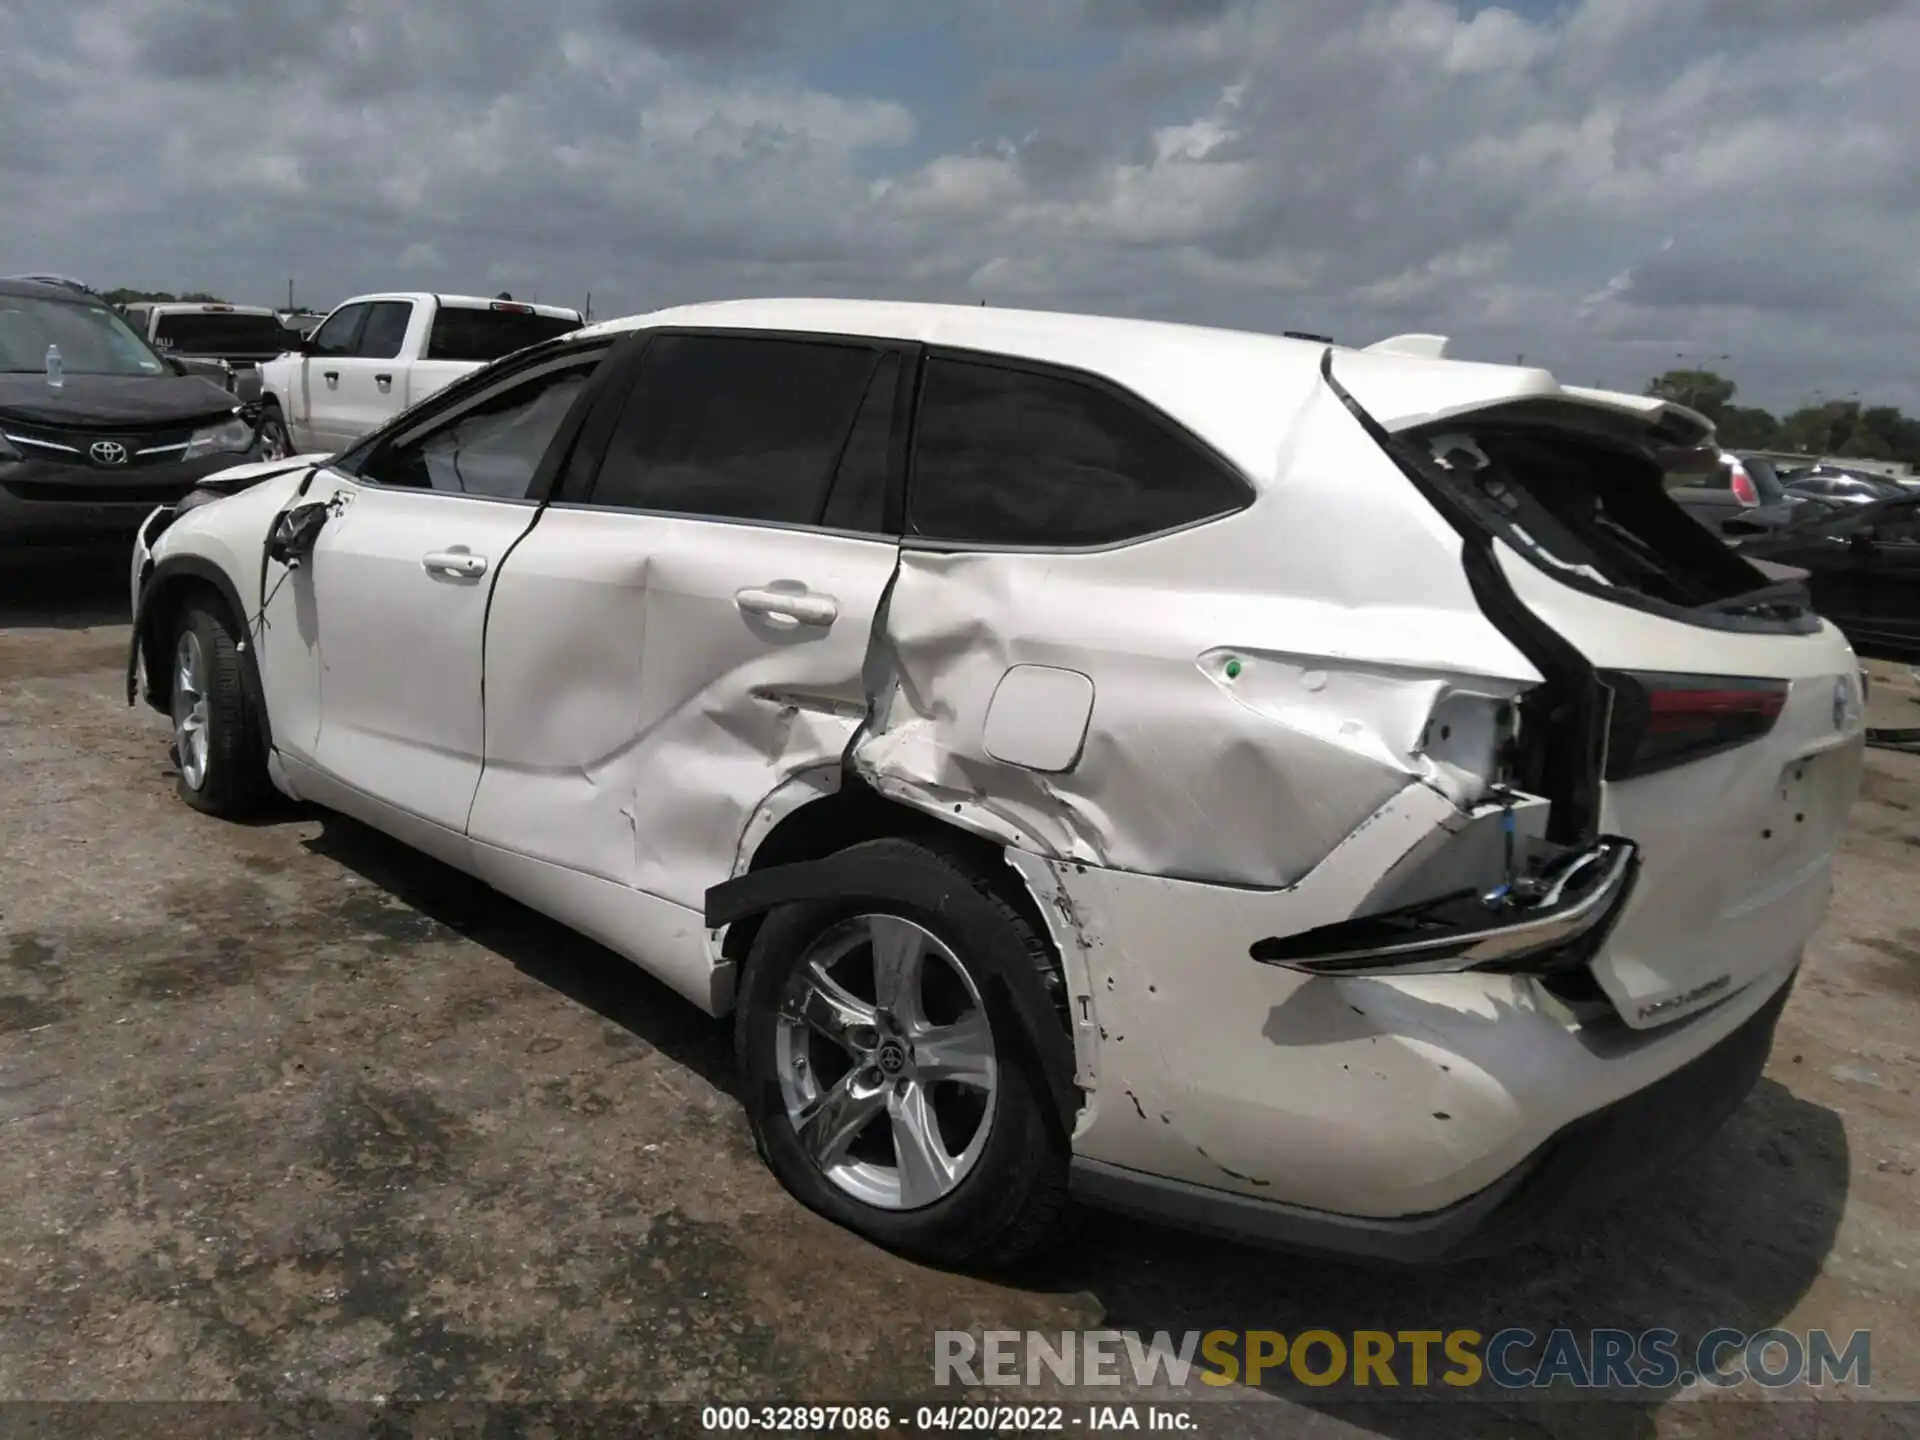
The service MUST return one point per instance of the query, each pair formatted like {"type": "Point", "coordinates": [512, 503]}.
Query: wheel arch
{"type": "Point", "coordinates": [797, 860]}
{"type": "Point", "coordinates": [845, 816]}
{"type": "Point", "coordinates": [164, 592]}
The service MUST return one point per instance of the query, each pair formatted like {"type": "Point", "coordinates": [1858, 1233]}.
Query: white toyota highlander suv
{"type": "Point", "coordinates": [1325, 796]}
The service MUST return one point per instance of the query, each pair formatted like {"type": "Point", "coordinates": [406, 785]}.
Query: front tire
{"type": "Point", "coordinates": [276, 443]}
{"type": "Point", "coordinates": [217, 747]}
{"type": "Point", "coordinates": [889, 1082]}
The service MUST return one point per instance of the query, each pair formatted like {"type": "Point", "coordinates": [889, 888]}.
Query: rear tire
{"type": "Point", "coordinates": [916, 1116]}
{"type": "Point", "coordinates": [217, 745]}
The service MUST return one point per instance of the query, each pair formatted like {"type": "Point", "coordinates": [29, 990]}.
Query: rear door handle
{"type": "Point", "coordinates": [332, 376]}
{"type": "Point", "coordinates": [385, 382]}
{"type": "Point", "coordinates": [461, 563]}
{"type": "Point", "coordinates": [794, 607]}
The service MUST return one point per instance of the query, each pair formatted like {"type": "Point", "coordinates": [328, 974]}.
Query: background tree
{"type": "Point", "coordinates": [1701, 390]}
{"type": "Point", "coordinates": [1841, 428]}
{"type": "Point", "coordinates": [1747, 427]}
{"type": "Point", "coordinates": [162, 297]}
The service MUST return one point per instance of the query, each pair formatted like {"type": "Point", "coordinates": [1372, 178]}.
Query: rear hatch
{"type": "Point", "coordinates": [1717, 720]}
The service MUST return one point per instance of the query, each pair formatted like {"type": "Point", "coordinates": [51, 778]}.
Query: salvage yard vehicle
{"type": "Point", "coordinates": [377, 354]}
{"type": "Point", "coordinates": [96, 428]}
{"type": "Point", "coordinates": [1862, 564]}
{"type": "Point", "coordinates": [237, 339]}
{"type": "Point", "coordinates": [1730, 489]}
{"type": "Point", "coordinates": [1324, 796]}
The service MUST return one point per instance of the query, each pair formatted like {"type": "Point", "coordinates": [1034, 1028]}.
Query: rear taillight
{"type": "Point", "coordinates": [1743, 488]}
{"type": "Point", "coordinates": [1662, 720]}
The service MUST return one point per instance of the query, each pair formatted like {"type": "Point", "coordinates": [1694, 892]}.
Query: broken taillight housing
{"type": "Point", "coordinates": [1662, 720]}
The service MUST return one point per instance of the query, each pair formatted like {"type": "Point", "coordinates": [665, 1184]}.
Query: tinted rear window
{"type": "Point", "coordinates": [1004, 455]}
{"type": "Point", "coordinates": [486, 335]}
{"type": "Point", "coordinates": [221, 334]}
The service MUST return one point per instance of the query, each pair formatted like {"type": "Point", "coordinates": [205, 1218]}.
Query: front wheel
{"type": "Point", "coordinates": [217, 747]}
{"type": "Point", "coordinates": [275, 442]}
{"type": "Point", "coordinates": [889, 1085]}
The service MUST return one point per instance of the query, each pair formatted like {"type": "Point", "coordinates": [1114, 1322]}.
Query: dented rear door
{"type": "Point", "coordinates": [686, 627]}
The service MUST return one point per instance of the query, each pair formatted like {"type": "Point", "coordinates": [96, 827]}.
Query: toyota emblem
{"type": "Point", "coordinates": [108, 452]}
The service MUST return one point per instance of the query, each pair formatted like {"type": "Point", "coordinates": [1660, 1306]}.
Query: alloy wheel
{"type": "Point", "coordinates": [190, 733]}
{"type": "Point", "coordinates": [886, 1062]}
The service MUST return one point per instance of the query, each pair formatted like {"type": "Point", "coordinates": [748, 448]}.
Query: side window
{"type": "Point", "coordinates": [1009, 456]}
{"type": "Point", "coordinates": [1902, 527]}
{"type": "Point", "coordinates": [386, 331]}
{"type": "Point", "coordinates": [493, 444]}
{"type": "Point", "coordinates": [859, 498]}
{"type": "Point", "coordinates": [736, 427]}
{"type": "Point", "coordinates": [336, 337]}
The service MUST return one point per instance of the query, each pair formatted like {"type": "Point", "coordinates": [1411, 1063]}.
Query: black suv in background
{"type": "Point", "coordinates": [96, 429]}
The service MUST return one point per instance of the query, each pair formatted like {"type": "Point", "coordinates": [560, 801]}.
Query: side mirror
{"type": "Point", "coordinates": [177, 365]}
{"type": "Point", "coordinates": [294, 533]}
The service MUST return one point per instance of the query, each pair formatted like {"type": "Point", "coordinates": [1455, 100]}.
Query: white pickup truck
{"type": "Point", "coordinates": [378, 354]}
{"type": "Point", "coordinates": [226, 343]}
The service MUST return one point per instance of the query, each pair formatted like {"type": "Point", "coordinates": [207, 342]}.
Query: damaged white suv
{"type": "Point", "coordinates": [1325, 796]}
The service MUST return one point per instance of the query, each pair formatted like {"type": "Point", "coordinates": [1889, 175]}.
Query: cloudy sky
{"type": "Point", "coordinates": [1602, 185]}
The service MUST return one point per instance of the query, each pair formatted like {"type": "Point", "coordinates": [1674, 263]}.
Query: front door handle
{"type": "Point", "coordinates": [463, 564]}
{"type": "Point", "coordinates": [332, 377]}
{"type": "Point", "coordinates": [800, 607]}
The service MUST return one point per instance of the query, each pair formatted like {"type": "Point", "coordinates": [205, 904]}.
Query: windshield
{"type": "Point", "coordinates": [92, 339]}
{"type": "Point", "coordinates": [222, 333]}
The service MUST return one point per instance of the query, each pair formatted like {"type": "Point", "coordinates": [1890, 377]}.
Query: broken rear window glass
{"type": "Point", "coordinates": [1590, 510]}
{"type": "Point", "coordinates": [1009, 456]}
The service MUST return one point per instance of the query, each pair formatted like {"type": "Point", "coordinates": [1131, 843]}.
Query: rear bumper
{"type": "Point", "coordinates": [42, 503]}
{"type": "Point", "coordinates": [1374, 1096]}
{"type": "Point", "coordinates": [1581, 1165]}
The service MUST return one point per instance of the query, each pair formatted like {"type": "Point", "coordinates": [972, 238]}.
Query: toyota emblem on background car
{"type": "Point", "coordinates": [108, 452]}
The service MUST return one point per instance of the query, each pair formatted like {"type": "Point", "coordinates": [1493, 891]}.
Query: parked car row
{"type": "Point", "coordinates": [106, 412]}
{"type": "Point", "coordinates": [1850, 533]}
{"type": "Point", "coordinates": [1321, 795]}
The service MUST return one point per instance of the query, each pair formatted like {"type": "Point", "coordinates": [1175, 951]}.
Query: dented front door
{"type": "Point", "coordinates": [687, 626]}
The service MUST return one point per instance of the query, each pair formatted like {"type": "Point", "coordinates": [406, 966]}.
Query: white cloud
{"type": "Point", "coordinates": [1581, 187]}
